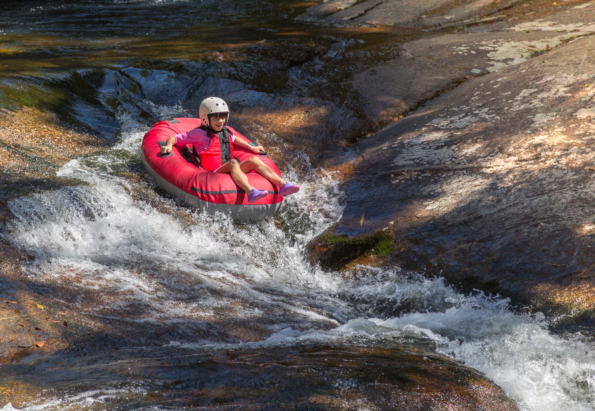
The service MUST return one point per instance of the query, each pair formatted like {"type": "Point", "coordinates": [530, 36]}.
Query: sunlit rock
{"type": "Point", "coordinates": [434, 65]}
{"type": "Point", "coordinates": [489, 185]}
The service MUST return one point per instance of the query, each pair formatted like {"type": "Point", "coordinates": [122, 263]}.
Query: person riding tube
{"type": "Point", "coordinates": [214, 141]}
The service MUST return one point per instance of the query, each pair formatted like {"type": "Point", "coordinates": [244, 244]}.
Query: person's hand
{"type": "Point", "coordinates": [256, 149]}
{"type": "Point", "coordinates": [165, 149]}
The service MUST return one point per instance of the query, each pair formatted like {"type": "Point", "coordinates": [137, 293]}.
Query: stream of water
{"type": "Point", "coordinates": [116, 255]}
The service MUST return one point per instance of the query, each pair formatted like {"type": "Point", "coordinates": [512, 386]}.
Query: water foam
{"type": "Point", "coordinates": [98, 237]}
{"type": "Point", "coordinates": [537, 369]}
{"type": "Point", "coordinates": [91, 399]}
{"type": "Point", "coordinates": [179, 266]}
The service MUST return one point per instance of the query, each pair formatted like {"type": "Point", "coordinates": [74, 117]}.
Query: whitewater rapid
{"type": "Point", "coordinates": [156, 262]}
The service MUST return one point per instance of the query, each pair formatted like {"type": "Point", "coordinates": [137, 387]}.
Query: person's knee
{"type": "Point", "coordinates": [255, 160]}
{"type": "Point", "coordinates": [234, 163]}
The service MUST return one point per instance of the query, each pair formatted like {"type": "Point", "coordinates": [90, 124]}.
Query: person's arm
{"type": "Point", "coordinates": [171, 140]}
{"type": "Point", "coordinates": [241, 142]}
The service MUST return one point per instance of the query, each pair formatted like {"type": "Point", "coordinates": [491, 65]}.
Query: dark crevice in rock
{"type": "Point", "coordinates": [366, 11]}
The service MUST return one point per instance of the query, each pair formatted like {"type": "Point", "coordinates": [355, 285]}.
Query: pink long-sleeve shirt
{"type": "Point", "coordinates": [198, 138]}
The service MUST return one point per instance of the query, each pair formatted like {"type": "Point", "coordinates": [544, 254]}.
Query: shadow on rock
{"type": "Point", "coordinates": [491, 185]}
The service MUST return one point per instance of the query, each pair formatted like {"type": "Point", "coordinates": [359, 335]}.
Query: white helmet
{"type": "Point", "coordinates": [212, 105]}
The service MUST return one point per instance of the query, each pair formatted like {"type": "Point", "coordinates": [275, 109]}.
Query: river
{"type": "Point", "coordinates": [143, 280]}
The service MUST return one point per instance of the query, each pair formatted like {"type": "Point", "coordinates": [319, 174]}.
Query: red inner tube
{"type": "Point", "coordinates": [206, 185]}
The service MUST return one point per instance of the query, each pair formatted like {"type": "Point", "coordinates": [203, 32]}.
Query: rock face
{"type": "Point", "coordinates": [286, 378]}
{"type": "Point", "coordinates": [396, 12]}
{"type": "Point", "coordinates": [374, 11]}
{"type": "Point", "coordinates": [492, 184]}
{"type": "Point", "coordinates": [429, 66]}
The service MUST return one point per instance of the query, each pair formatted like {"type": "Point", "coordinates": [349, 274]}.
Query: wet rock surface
{"type": "Point", "coordinates": [288, 378]}
{"type": "Point", "coordinates": [28, 327]}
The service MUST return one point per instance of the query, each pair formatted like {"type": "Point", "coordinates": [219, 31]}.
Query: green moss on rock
{"type": "Point", "coordinates": [384, 248]}
{"type": "Point", "coordinates": [333, 252]}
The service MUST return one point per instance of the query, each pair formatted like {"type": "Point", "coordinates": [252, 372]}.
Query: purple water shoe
{"type": "Point", "coordinates": [288, 189]}
{"type": "Point", "coordinates": [256, 195]}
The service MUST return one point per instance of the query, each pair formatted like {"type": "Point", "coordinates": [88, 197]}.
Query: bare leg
{"type": "Point", "coordinates": [233, 167]}
{"type": "Point", "coordinates": [255, 163]}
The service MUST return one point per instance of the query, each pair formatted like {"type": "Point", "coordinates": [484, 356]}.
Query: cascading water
{"type": "Point", "coordinates": [157, 265]}
{"type": "Point", "coordinates": [145, 271]}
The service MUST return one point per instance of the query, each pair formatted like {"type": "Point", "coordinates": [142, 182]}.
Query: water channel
{"type": "Point", "coordinates": [152, 289]}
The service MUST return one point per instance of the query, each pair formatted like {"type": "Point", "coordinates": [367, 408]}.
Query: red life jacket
{"type": "Point", "coordinates": [218, 152]}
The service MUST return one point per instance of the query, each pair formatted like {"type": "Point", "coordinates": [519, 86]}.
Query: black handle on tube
{"type": "Point", "coordinates": [161, 144]}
